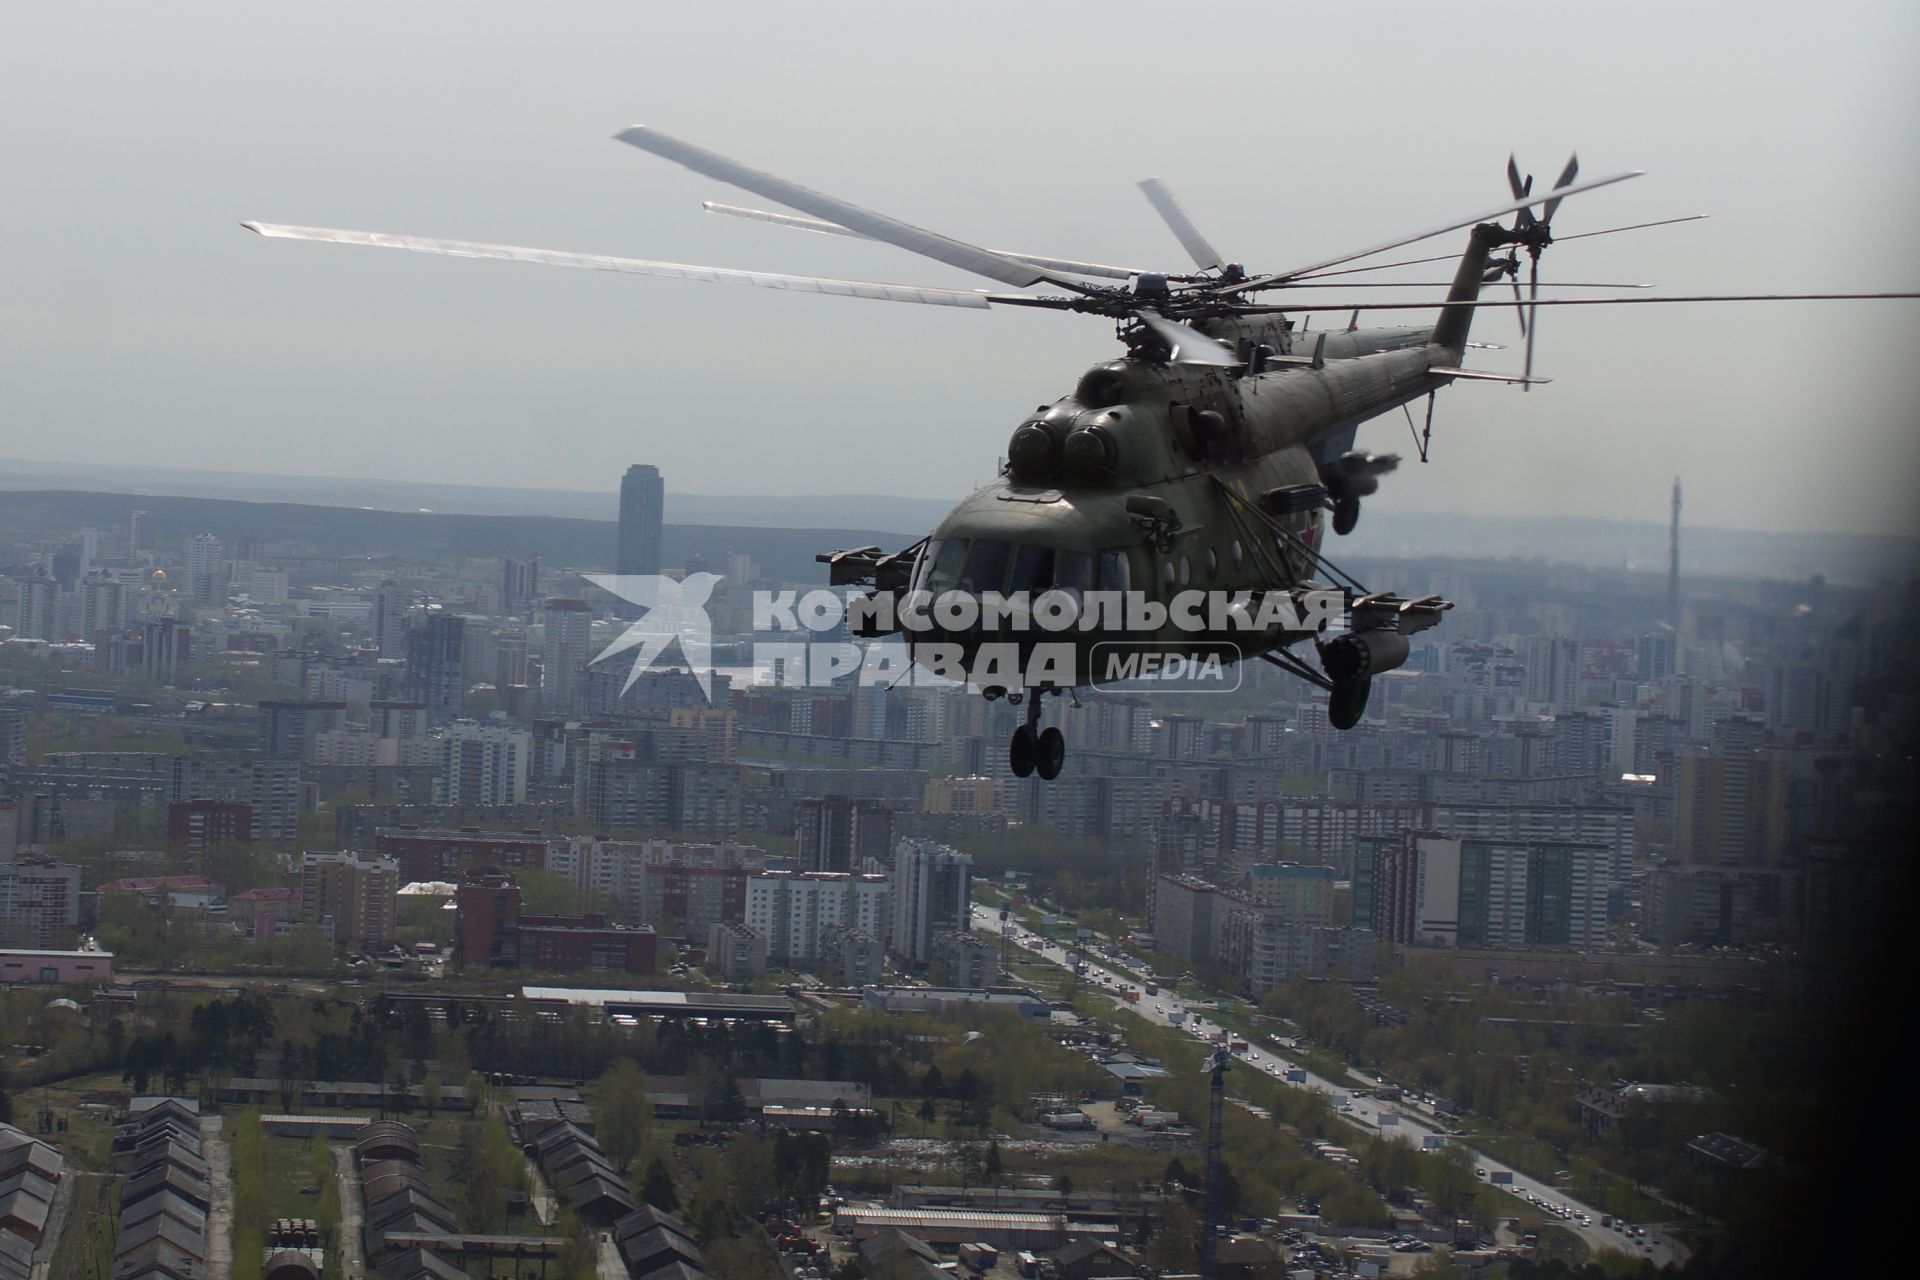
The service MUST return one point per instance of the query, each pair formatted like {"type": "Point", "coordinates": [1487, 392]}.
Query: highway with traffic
{"type": "Point", "coordinates": [1532, 1196]}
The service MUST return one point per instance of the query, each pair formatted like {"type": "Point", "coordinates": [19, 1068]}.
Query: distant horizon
{"type": "Point", "coordinates": [610, 495]}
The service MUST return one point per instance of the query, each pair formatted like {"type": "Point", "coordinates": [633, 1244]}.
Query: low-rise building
{"type": "Point", "coordinates": [735, 951]}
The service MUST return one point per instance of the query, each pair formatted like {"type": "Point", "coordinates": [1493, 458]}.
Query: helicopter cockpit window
{"type": "Point", "coordinates": [946, 559]}
{"type": "Point", "coordinates": [986, 568]}
{"type": "Point", "coordinates": [1114, 575]}
{"type": "Point", "coordinates": [923, 563]}
{"type": "Point", "coordinates": [1073, 570]}
{"type": "Point", "coordinates": [1033, 569]}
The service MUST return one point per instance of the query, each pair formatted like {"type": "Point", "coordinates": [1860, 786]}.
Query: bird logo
{"type": "Point", "coordinates": [675, 610]}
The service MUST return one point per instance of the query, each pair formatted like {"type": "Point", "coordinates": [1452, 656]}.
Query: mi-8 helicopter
{"type": "Point", "coordinates": [1207, 460]}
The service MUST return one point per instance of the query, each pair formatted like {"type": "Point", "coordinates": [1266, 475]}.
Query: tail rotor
{"type": "Point", "coordinates": [1532, 234]}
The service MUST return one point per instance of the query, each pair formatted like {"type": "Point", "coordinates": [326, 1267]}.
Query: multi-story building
{"type": "Point", "coordinates": [390, 719]}
{"type": "Point", "coordinates": [264, 914]}
{"type": "Point", "coordinates": [1534, 895]}
{"type": "Point", "coordinates": [932, 894]}
{"type": "Point", "coordinates": [1609, 825]}
{"type": "Point", "coordinates": [354, 898]}
{"type": "Point", "coordinates": [13, 736]}
{"type": "Point", "coordinates": [519, 585]}
{"type": "Point", "coordinates": [1553, 672]}
{"type": "Point", "coordinates": [1406, 887]}
{"type": "Point", "coordinates": [568, 627]}
{"type": "Point", "coordinates": [485, 764]}
{"type": "Point", "coordinates": [972, 796]}
{"type": "Point", "coordinates": [841, 833]}
{"type": "Point", "coordinates": [436, 671]}
{"type": "Point", "coordinates": [735, 951]}
{"type": "Point", "coordinates": [643, 496]}
{"type": "Point", "coordinates": [1730, 808]}
{"type": "Point", "coordinates": [206, 569]}
{"type": "Point", "coordinates": [106, 604]}
{"type": "Point", "coordinates": [166, 649]}
{"type": "Point", "coordinates": [39, 904]}
{"type": "Point", "coordinates": [290, 727]}
{"type": "Point", "coordinates": [37, 617]}
{"type": "Point", "coordinates": [391, 603]}
{"type": "Point", "coordinates": [1290, 891]}
{"type": "Point", "coordinates": [617, 787]}
{"type": "Point", "coordinates": [851, 957]}
{"type": "Point", "coordinates": [443, 855]}
{"type": "Point", "coordinates": [1423, 888]}
{"type": "Point", "coordinates": [490, 929]}
{"type": "Point", "coordinates": [196, 825]}
{"type": "Point", "coordinates": [965, 960]}
{"type": "Point", "coordinates": [1183, 916]}
{"type": "Point", "coordinates": [795, 912]}
{"type": "Point", "coordinates": [486, 910]}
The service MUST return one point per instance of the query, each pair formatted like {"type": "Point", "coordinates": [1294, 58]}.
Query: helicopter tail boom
{"type": "Point", "coordinates": [1450, 331]}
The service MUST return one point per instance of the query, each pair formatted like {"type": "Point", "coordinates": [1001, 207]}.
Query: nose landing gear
{"type": "Point", "coordinates": [1036, 750]}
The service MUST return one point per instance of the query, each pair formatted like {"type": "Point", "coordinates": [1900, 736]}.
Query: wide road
{"type": "Point", "coordinates": [1363, 1113]}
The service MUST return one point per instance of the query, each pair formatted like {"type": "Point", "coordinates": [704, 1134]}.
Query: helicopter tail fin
{"type": "Point", "coordinates": [1450, 331]}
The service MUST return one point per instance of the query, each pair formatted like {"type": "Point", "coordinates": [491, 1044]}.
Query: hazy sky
{"type": "Point", "coordinates": [140, 324]}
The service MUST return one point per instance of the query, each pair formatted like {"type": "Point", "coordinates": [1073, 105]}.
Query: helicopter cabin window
{"type": "Point", "coordinates": [1113, 571]}
{"type": "Point", "coordinates": [1213, 564]}
{"type": "Point", "coordinates": [986, 567]}
{"type": "Point", "coordinates": [1033, 569]}
{"type": "Point", "coordinates": [1166, 574]}
{"type": "Point", "coordinates": [1186, 571]}
{"type": "Point", "coordinates": [944, 561]}
{"type": "Point", "coordinates": [1073, 570]}
{"type": "Point", "coordinates": [1239, 554]}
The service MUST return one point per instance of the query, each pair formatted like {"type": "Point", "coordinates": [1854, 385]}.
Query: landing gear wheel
{"type": "Point", "coordinates": [1051, 753]}
{"type": "Point", "coordinates": [1346, 514]}
{"type": "Point", "coordinates": [1347, 702]}
{"type": "Point", "coordinates": [1021, 752]}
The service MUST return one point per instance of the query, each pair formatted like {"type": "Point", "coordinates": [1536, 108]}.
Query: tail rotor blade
{"type": "Point", "coordinates": [1567, 175]}
{"type": "Point", "coordinates": [1533, 316]}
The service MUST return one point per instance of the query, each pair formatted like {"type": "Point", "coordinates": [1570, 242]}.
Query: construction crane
{"type": "Point", "coordinates": [1215, 1064]}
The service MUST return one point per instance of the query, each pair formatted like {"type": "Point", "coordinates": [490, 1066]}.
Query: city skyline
{"type": "Point", "coordinates": [457, 367]}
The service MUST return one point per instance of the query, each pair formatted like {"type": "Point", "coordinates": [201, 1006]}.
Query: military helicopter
{"type": "Point", "coordinates": [1206, 460]}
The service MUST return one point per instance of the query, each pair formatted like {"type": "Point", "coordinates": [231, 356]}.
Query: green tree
{"type": "Point", "coordinates": [1176, 1243]}
{"type": "Point", "coordinates": [659, 1190]}
{"type": "Point", "coordinates": [622, 1112]}
{"type": "Point", "coordinates": [474, 1089]}
{"type": "Point", "coordinates": [430, 1093]}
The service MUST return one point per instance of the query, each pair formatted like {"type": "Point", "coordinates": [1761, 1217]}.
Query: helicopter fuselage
{"type": "Point", "coordinates": [1147, 478]}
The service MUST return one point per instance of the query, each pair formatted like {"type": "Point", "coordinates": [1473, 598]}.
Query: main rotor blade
{"type": "Point", "coordinates": [1167, 205]}
{"type": "Point", "coordinates": [1444, 284]}
{"type": "Point", "coordinates": [1263, 282]}
{"type": "Point", "coordinates": [1520, 313]}
{"type": "Point", "coordinates": [823, 227]}
{"type": "Point", "coordinates": [1253, 309]}
{"type": "Point", "coordinates": [878, 226]}
{"type": "Point", "coordinates": [1297, 281]}
{"type": "Point", "coordinates": [1635, 226]}
{"type": "Point", "coordinates": [1188, 346]}
{"type": "Point", "coordinates": [978, 299]}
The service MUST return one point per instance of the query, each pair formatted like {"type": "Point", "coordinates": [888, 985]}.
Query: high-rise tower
{"type": "Point", "coordinates": [1673, 566]}
{"type": "Point", "coordinates": [642, 504]}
